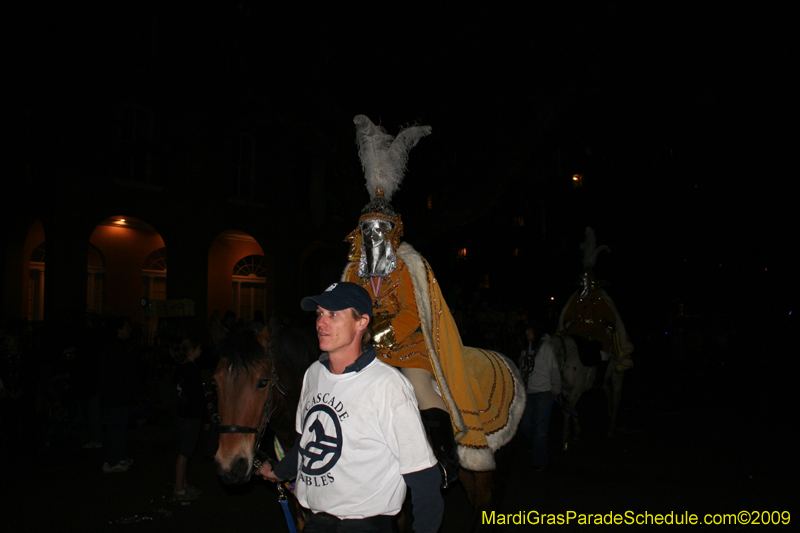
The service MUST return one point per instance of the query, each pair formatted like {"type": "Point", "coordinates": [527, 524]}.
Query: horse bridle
{"type": "Point", "coordinates": [266, 416]}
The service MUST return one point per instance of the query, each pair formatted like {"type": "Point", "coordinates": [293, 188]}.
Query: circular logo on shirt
{"type": "Point", "coordinates": [324, 448]}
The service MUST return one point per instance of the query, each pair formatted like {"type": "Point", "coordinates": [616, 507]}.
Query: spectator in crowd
{"type": "Point", "coordinates": [192, 415]}
{"type": "Point", "coordinates": [538, 362]}
{"type": "Point", "coordinates": [118, 381]}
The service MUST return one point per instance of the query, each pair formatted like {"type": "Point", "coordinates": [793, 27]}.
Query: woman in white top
{"type": "Point", "coordinates": [544, 384]}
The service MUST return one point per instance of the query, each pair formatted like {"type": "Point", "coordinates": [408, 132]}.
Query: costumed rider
{"type": "Point", "coordinates": [592, 319]}
{"type": "Point", "coordinates": [414, 329]}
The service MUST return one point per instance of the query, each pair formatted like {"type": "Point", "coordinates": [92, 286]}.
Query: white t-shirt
{"type": "Point", "coordinates": [360, 432]}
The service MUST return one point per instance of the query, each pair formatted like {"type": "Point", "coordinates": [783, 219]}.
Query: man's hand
{"type": "Point", "coordinates": [266, 473]}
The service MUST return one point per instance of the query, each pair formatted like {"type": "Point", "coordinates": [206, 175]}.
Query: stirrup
{"type": "Point", "coordinates": [446, 479]}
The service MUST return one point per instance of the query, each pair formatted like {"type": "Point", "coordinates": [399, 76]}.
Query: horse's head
{"type": "Point", "coordinates": [246, 389]}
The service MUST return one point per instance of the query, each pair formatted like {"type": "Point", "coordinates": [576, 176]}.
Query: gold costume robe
{"type": "Point", "coordinates": [482, 389]}
{"type": "Point", "coordinates": [590, 317]}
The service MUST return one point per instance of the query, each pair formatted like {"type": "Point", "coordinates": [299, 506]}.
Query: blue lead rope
{"type": "Point", "coordinates": [567, 410]}
{"type": "Point", "coordinates": [288, 515]}
{"type": "Point", "coordinates": [281, 495]}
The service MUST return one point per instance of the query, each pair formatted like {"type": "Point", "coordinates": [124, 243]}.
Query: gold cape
{"type": "Point", "coordinates": [482, 389]}
{"type": "Point", "coordinates": [591, 317]}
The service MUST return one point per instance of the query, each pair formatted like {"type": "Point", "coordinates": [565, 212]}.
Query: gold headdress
{"type": "Point", "coordinates": [383, 158]}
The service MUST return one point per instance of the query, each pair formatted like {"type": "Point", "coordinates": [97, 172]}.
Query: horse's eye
{"type": "Point", "coordinates": [263, 384]}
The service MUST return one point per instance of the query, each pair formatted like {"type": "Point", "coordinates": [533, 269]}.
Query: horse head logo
{"type": "Point", "coordinates": [324, 447]}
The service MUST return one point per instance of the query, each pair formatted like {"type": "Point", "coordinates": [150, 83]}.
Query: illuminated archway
{"type": "Point", "coordinates": [31, 282]}
{"type": "Point", "coordinates": [240, 276]}
{"type": "Point", "coordinates": [125, 244]}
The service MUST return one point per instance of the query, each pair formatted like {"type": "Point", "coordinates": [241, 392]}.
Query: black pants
{"type": "Point", "coordinates": [325, 523]}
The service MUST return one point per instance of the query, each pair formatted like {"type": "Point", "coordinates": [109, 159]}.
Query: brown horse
{"type": "Point", "coordinates": [258, 381]}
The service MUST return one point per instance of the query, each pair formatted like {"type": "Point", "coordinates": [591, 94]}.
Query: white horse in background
{"type": "Point", "coordinates": [577, 379]}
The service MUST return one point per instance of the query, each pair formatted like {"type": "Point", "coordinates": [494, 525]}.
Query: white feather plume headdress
{"type": "Point", "coordinates": [384, 157]}
{"type": "Point", "coordinates": [591, 250]}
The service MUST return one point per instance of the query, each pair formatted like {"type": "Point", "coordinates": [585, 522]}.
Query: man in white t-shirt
{"type": "Point", "coordinates": [361, 439]}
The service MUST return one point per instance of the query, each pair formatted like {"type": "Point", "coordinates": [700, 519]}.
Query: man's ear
{"type": "Point", "coordinates": [362, 322]}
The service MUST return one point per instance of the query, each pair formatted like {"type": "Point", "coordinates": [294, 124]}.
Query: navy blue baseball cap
{"type": "Point", "coordinates": [341, 295]}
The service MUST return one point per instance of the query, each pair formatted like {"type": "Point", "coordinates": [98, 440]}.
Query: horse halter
{"type": "Point", "coordinates": [266, 415]}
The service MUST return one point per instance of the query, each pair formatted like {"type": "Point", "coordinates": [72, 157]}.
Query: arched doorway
{"type": "Point", "coordinates": [249, 286]}
{"type": "Point", "coordinates": [240, 276]}
{"type": "Point", "coordinates": [133, 255]}
{"type": "Point", "coordinates": [34, 300]}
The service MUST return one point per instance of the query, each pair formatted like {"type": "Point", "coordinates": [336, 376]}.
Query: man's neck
{"type": "Point", "coordinates": [340, 361]}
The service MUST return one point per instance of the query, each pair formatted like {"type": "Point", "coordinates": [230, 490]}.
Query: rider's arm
{"type": "Point", "coordinates": [426, 499]}
{"type": "Point", "coordinates": [406, 321]}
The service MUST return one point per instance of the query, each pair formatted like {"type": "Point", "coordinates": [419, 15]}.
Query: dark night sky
{"type": "Point", "coordinates": [678, 115]}
{"type": "Point", "coordinates": [624, 82]}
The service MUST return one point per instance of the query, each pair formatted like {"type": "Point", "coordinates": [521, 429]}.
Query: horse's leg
{"type": "Point", "coordinates": [583, 378]}
{"type": "Point", "coordinates": [483, 494]}
{"type": "Point", "coordinates": [478, 486]}
{"type": "Point", "coordinates": [576, 425]}
{"type": "Point", "coordinates": [575, 380]}
{"type": "Point", "coordinates": [567, 417]}
{"type": "Point", "coordinates": [467, 479]}
{"type": "Point", "coordinates": [568, 389]}
{"type": "Point", "coordinates": [613, 390]}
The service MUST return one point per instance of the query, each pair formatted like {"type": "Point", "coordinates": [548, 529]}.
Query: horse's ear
{"type": "Point", "coordinates": [263, 337]}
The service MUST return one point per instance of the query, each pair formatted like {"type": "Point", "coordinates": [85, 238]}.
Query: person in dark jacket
{"type": "Point", "coordinates": [117, 391]}
{"type": "Point", "coordinates": [192, 415]}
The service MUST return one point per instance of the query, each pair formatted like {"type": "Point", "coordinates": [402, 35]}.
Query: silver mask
{"type": "Point", "coordinates": [377, 254]}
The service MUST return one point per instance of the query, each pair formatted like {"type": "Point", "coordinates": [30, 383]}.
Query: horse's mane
{"type": "Point", "coordinates": [294, 349]}
{"type": "Point", "coordinates": [242, 351]}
